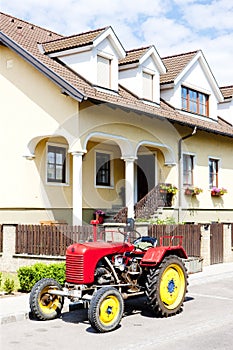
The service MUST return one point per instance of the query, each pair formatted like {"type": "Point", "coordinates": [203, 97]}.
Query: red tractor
{"type": "Point", "coordinates": [105, 272]}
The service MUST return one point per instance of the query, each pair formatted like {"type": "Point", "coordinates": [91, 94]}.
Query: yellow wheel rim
{"type": "Point", "coordinates": [48, 303]}
{"type": "Point", "coordinates": [109, 309]}
{"type": "Point", "coordinates": [172, 286]}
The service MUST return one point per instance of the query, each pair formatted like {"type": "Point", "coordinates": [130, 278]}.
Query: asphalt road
{"type": "Point", "coordinates": [206, 323]}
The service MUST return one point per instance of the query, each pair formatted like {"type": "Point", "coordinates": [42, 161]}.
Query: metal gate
{"type": "Point", "coordinates": [216, 243]}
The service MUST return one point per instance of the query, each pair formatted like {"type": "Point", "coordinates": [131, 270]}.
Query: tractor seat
{"type": "Point", "coordinates": [145, 242]}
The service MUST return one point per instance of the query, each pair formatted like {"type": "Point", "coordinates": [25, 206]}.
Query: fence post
{"type": "Point", "coordinates": [9, 236]}
{"type": "Point", "coordinates": [205, 244]}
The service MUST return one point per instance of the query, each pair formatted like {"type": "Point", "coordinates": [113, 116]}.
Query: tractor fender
{"type": "Point", "coordinates": [154, 256]}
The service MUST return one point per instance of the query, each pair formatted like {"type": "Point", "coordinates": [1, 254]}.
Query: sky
{"type": "Point", "coordinates": [172, 26]}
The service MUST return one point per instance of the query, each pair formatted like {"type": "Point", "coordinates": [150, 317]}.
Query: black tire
{"type": "Point", "coordinates": [45, 306]}
{"type": "Point", "coordinates": [106, 309]}
{"type": "Point", "coordinates": [166, 286]}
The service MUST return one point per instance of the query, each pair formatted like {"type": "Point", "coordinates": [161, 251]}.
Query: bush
{"type": "Point", "coordinates": [0, 278]}
{"type": "Point", "coordinates": [9, 286]}
{"type": "Point", "coordinates": [29, 275]}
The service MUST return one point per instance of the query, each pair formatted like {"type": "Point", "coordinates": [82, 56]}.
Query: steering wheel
{"type": "Point", "coordinates": [128, 234]}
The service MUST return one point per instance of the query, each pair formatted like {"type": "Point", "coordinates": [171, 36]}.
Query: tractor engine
{"type": "Point", "coordinates": [127, 270]}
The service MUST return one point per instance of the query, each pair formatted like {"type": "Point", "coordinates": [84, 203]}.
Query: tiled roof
{"type": "Point", "coordinates": [133, 56]}
{"type": "Point", "coordinates": [27, 36]}
{"type": "Point", "coordinates": [175, 64]}
{"type": "Point", "coordinates": [227, 91]}
{"type": "Point", "coordinates": [71, 42]}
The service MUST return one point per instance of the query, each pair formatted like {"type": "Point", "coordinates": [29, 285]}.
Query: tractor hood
{"type": "Point", "coordinates": [82, 259]}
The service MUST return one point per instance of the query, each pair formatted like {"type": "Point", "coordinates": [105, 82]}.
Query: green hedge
{"type": "Point", "coordinates": [29, 275]}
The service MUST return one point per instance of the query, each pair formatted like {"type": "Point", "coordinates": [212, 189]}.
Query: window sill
{"type": "Point", "coordinates": [106, 187]}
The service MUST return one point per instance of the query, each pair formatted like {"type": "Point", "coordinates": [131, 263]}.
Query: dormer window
{"type": "Point", "coordinates": [147, 86]}
{"type": "Point", "coordinates": [195, 101]}
{"type": "Point", "coordinates": [103, 72]}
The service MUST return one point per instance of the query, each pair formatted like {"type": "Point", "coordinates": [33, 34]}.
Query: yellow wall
{"type": "Point", "coordinates": [33, 106]}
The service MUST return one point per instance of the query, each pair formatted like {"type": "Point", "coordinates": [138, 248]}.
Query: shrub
{"type": "Point", "coordinates": [9, 286]}
{"type": "Point", "coordinates": [0, 278]}
{"type": "Point", "coordinates": [29, 275]}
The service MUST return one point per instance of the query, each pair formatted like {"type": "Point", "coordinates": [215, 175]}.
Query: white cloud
{"type": "Point", "coordinates": [173, 26]}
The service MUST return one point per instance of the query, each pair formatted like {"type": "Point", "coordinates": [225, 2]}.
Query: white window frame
{"type": "Point", "coordinates": [194, 166]}
{"type": "Point", "coordinates": [111, 169]}
{"type": "Point", "coordinates": [54, 183]}
{"type": "Point", "coordinates": [219, 167]}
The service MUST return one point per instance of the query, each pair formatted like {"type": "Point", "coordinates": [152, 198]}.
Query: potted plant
{"type": "Point", "coordinates": [99, 215]}
{"type": "Point", "coordinates": [167, 192]}
{"type": "Point", "coordinates": [217, 192]}
{"type": "Point", "coordinates": [168, 188]}
{"type": "Point", "coordinates": [193, 191]}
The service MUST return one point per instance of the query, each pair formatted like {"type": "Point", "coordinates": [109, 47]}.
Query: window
{"type": "Point", "coordinates": [194, 101]}
{"type": "Point", "coordinates": [213, 172]}
{"type": "Point", "coordinates": [103, 72]}
{"type": "Point", "coordinates": [188, 165]}
{"type": "Point", "coordinates": [147, 86]}
{"type": "Point", "coordinates": [103, 169]}
{"type": "Point", "coordinates": [56, 164]}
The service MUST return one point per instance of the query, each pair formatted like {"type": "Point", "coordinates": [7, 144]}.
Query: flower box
{"type": "Point", "coordinates": [193, 191]}
{"type": "Point", "coordinates": [218, 192]}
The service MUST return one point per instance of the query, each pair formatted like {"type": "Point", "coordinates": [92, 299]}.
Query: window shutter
{"type": "Point", "coordinates": [103, 72]}
{"type": "Point", "coordinates": [147, 86]}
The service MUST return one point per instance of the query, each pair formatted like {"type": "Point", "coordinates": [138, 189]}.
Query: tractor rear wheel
{"type": "Point", "coordinates": [166, 286]}
{"type": "Point", "coordinates": [106, 309]}
{"type": "Point", "coordinates": [45, 306]}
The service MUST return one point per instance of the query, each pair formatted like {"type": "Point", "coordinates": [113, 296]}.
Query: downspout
{"type": "Point", "coordinates": [180, 172]}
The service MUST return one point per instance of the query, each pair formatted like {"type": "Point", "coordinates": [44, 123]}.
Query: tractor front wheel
{"type": "Point", "coordinates": [44, 305]}
{"type": "Point", "coordinates": [106, 309]}
{"type": "Point", "coordinates": [166, 286]}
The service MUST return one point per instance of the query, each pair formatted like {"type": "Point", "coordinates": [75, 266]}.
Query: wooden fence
{"type": "Point", "coordinates": [53, 240]}
{"type": "Point", "coordinates": [191, 236]}
{"type": "Point", "coordinates": [49, 240]}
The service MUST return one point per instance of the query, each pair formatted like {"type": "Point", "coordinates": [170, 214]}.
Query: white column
{"type": "Point", "coordinates": [129, 185]}
{"type": "Point", "coordinates": [77, 188]}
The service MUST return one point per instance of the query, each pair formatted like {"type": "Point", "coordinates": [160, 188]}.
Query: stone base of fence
{"type": "Point", "coordinates": [11, 262]}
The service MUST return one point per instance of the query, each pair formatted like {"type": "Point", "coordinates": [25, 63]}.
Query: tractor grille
{"type": "Point", "coordinates": [74, 268]}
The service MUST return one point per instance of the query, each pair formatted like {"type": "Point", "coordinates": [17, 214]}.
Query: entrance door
{"type": "Point", "coordinates": [145, 174]}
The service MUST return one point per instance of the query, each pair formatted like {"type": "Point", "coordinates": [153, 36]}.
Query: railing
{"type": "Point", "coordinates": [148, 205]}
{"type": "Point", "coordinates": [122, 215]}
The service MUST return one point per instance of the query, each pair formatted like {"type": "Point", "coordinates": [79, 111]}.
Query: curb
{"type": "Point", "coordinates": [14, 317]}
{"type": "Point", "coordinates": [25, 315]}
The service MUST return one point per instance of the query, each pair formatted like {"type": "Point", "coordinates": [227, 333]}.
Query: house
{"type": "Point", "coordinates": [87, 125]}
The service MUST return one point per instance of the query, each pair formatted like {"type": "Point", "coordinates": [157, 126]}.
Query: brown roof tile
{"type": "Point", "coordinates": [72, 41]}
{"type": "Point", "coordinates": [134, 55]}
{"type": "Point", "coordinates": [227, 91]}
{"type": "Point", "coordinates": [27, 36]}
{"type": "Point", "coordinates": [175, 64]}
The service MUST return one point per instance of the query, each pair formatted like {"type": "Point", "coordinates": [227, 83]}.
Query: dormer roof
{"type": "Point", "coordinates": [71, 42]}
{"type": "Point", "coordinates": [227, 92]}
{"type": "Point", "coordinates": [139, 55]}
{"type": "Point", "coordinates": [175, 66]}
{"type": "Point", "coordinates": [88, 39]}
{"type": "Point", "coordinates": [178, 65]}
